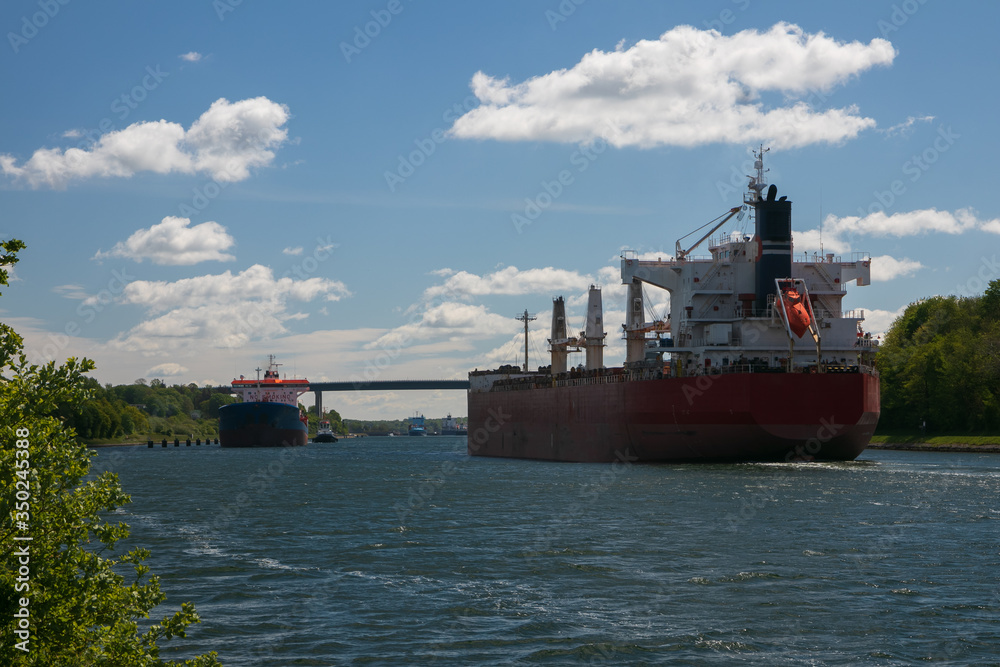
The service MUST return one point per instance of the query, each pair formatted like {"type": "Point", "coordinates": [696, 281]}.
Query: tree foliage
{"type": "Point", "coordinates": [331, 415]}
{"type": "Point", "coordinates": [940, 364]}
{"type": "Point", "coordinates": [138, 409]}
{"type": "Point", "coordinates": [66, 582]}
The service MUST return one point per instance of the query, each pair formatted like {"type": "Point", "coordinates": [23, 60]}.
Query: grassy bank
{"type": "Point", "coordinates": [916, 437]}
{"type": "Point", "coordinates": [917, 441]}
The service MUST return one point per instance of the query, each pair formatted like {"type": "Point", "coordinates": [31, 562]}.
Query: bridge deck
{"type": "Point", "coordinates": [385, 385]}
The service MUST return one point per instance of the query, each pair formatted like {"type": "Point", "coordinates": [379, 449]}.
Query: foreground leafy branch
{"type": "Point", "coordinates": [62, 599]}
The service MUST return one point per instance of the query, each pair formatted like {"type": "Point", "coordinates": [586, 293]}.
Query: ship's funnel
{"type": "Point", "coordinates": [774, 233]}
{"type": "Point", "coordinates": [594, 333]}
{"type": "Point", "coordinates": [558, 341]}
{"type": "Point", "coordinates": [634, 320]}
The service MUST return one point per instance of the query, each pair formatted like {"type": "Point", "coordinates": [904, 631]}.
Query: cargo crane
{"type": "Point", "coordinates": [682, 254]}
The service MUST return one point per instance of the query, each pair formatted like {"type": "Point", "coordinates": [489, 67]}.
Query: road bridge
{"type": "Point", "coordinates": [381, 385]}
{"type": "Point", "coordinates": [387, 385]}
{"type": "Point", "coordinates": [375, 385]}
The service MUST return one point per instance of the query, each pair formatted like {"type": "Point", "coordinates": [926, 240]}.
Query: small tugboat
{"type": "Point", "coordinates": [325, 433]}
{"type": "Point", "coordinates": [268, 414]}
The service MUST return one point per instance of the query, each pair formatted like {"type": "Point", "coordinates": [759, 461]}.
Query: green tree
{"type": "Point", "coordinates": [990, 302]}
{"type": "Point", "coordinates": [70, 605]}
{"type": "Point", "coordinates": [940, 364]}
{"type": "Point", "coordinates": [210, 407]}
{"type": "Point", "coordinates": [336, 422]}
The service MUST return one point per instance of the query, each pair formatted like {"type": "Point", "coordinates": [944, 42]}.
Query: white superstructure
{"type": "Point", "coordinates": [725, 309]}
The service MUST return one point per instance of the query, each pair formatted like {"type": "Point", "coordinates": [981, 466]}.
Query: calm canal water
{"type": "Point", "coordinates": [400, 551]}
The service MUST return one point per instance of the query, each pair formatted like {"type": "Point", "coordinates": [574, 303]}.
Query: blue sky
{"type": "Point", "coordinates": [201, 184]}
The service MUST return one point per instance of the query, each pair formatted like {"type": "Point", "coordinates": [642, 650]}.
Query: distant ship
{"type": "Point", "coordinates": [268, 414]}
{"type": "Point", "coordinates": [324, 433]}
{"type": "Point", "coordinates": [728, 375]}
{"type": "Point", "coordinates": [452, 427]}
{"type": "Point", "coordinates": [417, 425]}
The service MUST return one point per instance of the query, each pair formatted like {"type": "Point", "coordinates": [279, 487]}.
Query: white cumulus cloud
{"type": "Point", "coordinates": [191, 56]}
{"type": "Point", "coordinates": [811, 240]}
{"type": "Point", "coordinates": [174, 242]}
{"type": "Point", "coordinates": [991, 226]}
{"type": "Point", "coordinates": [885, 268]}
{"type": "Point", "coordinates": [907, 223]}
{"type": "Point", "coordinates": [449, 320]}
{"type": "Point", "coordinates": [838, 232]}
{"type": "Point", "coordinates": [878, 321]}
{"type": "Point", "coordinates": [168, 369]}
{"type": "Point", "coordinates": [509, 280]}
{"type": "Point", "coordinates": [226, 141]}
{"type": "Point", "coordinates": [690, 87]}
{"type": "Point", "coordinates": [222, 310]}
{"type": "Point", "coordinates": [256, 282]}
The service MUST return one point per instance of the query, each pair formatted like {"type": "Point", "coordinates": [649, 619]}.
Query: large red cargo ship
{"type": "Point", "coordinates": [756, 361]}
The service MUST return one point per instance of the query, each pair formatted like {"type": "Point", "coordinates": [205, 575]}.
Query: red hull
{"type": "Point", "coordinates": [737, 417]}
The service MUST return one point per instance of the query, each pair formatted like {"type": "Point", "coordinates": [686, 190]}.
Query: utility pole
{"type": "Point", "coordinates": [526, 318]}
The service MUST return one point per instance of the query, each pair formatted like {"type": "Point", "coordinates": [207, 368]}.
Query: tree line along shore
{"type": "Point", "coordinates": [152, 410]}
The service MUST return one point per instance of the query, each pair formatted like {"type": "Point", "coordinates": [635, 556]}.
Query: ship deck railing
{"type": "Point", "coordinates": [622, 375]}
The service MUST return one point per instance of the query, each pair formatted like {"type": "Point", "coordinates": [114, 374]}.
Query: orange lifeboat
{"type": "Point", "coordinates": [796, 312]}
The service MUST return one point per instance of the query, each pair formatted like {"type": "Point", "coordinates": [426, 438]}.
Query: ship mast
{"type": "Point", "coordinates": [757, 182]}
{"type": "Point", "coordinates": [525, 318]}
{"type": "Point", "coordinates": [271, 366]}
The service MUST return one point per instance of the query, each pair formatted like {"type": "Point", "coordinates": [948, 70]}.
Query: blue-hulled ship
{"type": "Point", "coordinates": [268, 414]}
{"type": "Point", "coordinates": [417, 425]}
